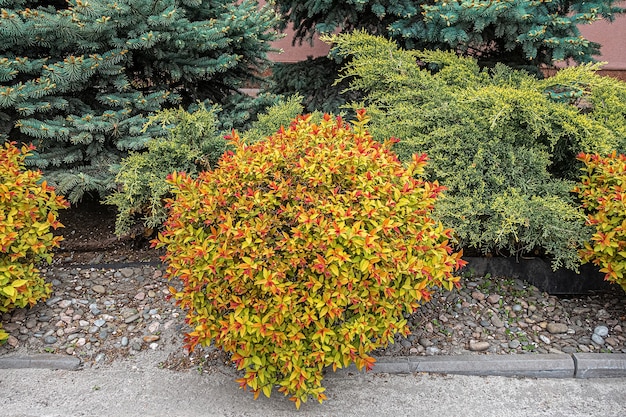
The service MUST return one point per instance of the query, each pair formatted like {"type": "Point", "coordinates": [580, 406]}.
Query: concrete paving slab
{"type": "Point", "coordinates": [47, 361]}
{"type": "Point", "coordinates": [600, 365]}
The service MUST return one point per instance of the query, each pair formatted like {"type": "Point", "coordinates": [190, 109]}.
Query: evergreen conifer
{"type": "Point", "coordinates": [520, 33]}
{"type": "Point", "coordinates": [79, 78]}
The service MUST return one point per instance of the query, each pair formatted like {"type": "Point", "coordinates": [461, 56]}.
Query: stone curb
{"type": "Point", "coordinates": [598, 365]}
{"type": "Point", "coordinates": [47, 361]}
{"type": "Point", "coordinates": [579, 365]}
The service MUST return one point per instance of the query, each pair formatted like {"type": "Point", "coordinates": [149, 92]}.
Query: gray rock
{"type": "Point", "coordinates": [127, 272]}
{"type": "Point", "coordinates": [569, 349]}
{"type": "Point", "coordinates": [597, 339]}
{"type": "Point", "coordinates": [495, 320]}
{"type": "Point", "coordinates": [124, 341]}
{"type": "Point", "coordinates": [99, 322]}
{"type": "Point", "coordinates": [50, 340]}
{"type": "Point", "coordinates": [425, 342]}
{"type": "Point", "coordinates": [517, 308]}
{"type": "Point", "coordinates": [545, 339]}
{"type": "Point", "coordinates": [601, 331]}
{"type": "Point", "coordinates": [93, 308]}
{"type": "Point", "coordinates": [53, 301]}
{"type": "Point", "coordinates": [514, 344]}
{"type": "Point", "coordinates": [432, 350]}
{"type": "Point", "coordinates": [132, 318]}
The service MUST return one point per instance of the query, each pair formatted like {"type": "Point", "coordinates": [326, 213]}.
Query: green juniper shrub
{"type": "Point", "coordinates": [305, 250]}
{"type": "Point", "coordinates": [28, 209]}
{"type": "Point", "coordinates": [502, 141]}
{"type": "Point", "coordinates": [194, 143]}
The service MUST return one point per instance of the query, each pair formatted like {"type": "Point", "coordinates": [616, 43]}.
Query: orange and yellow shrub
{"type": "Point", "coordinates": [304, 251]}
{"type": "Point", "coordinates": [602, 189]}
{"type": "Point", "coordinates": [28, 209]}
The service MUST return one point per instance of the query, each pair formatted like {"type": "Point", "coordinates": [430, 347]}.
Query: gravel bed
{"type": "Point", "coordinates": [102, 314]}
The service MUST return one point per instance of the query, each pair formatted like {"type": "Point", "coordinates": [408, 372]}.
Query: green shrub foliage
{"type": "Point", "coordinates": [28, 209]}
{"type": "Point", "coordinates": [303, 251]}
{"type": "Point", "coordinates": [80, 78]}
{"type": "Point", "coordinates": [503, 142]}
{"type": "Point", "coordinates": [601, 189]}
{"type": "Point", "coordinates": [193, 144]}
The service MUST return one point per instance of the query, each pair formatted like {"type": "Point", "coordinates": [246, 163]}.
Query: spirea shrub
{"type": "Point", "coordinates": [602, 189]}
{"type": "Point", "coordinates": [28, 209]}
{"type": "Point", "coordinates": [304, 251]}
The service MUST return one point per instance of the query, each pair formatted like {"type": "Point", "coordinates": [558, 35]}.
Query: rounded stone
{"type": "Point", "coordinates": [601, 331]}
{"type": "Point", "coordinates": [151, 338]}
{"type": "Point", "coordinates": [432, 350]}
{"type": "Point", "coordinates": [514, 344]}
{"type": "Point", "coordinates": [597, 339]}
{"type": "Point", "coordinates": [493, 298]}
{"type": "Point", "coordinates": [478, 296]}
{"type": "Point", "coordinates": [124, 341]}
{"type": "Point", "coordinates": [478, 346]}
{"type": "Point", "coordinates": [545, 339]}
{"type": "Point", "coordinates": [425, 342]}
{"type": "Point", "coordinates": [99, 289]}
{"type": "Point", "coordinates": [50, 340]}
{"type": "Point", "coordinates": [556, 328]}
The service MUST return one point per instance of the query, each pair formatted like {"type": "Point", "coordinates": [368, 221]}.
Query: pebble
{"type": "Point", "coordinates": [545, 339]}
{"type": "Point", "coordinates": [601, 331]}
{"type": "Point", "coordinates": [50, 340]}
{"type": "Point", "coordinates": [478, 296]}
{"type": "Point", "coordinates": [478, 346]}
{"type": "Point", "coordinates": [597, 339]}
{"type": "Point", "coordinates": [99, 289]}
{"type": "Point", "coordinates": [132, 318]}
{"type": "Point", "coordinates": [514, 344]}
{"type": "Point", "coordinates": [151, 338]}
{"type": "Point", "coordinates": [493, 298]}
{"type": "Point", "coordinates": [124, 341]}
{"type": "Point", "coordinates": [556, 328]}
{"type": "Point", "coordinates": [432, 350]}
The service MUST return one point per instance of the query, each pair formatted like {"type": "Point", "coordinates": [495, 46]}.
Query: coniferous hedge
{"type": "Point", "coordinates": [503, 142]}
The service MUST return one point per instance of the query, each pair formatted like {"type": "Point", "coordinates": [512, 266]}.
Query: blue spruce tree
{"type": "Point", "coordinates": [515, 32]}
{"type": "Point", "coordinates": [79, 78]}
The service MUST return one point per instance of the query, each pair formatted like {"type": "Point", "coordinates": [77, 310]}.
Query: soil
{"type": "Point", "coordinates": [89, 238]}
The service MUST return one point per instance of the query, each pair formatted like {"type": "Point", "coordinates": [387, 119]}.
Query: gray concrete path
{"type": "Point", "coordinates": [128, 389]}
